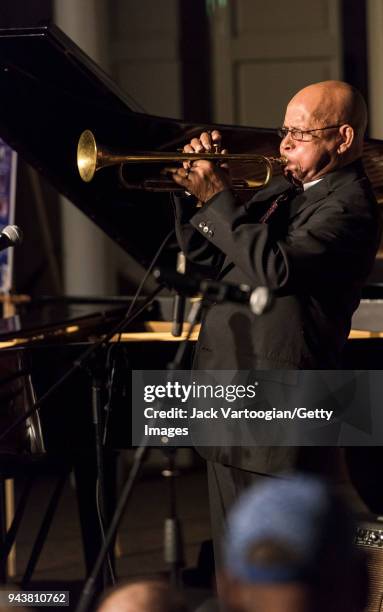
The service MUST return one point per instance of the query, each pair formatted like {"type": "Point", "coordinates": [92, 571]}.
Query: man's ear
{"type": "Point", "coordinates": [347, 134]}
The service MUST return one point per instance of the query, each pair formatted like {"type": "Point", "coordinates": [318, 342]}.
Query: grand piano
{"type": "Point", "coordinates": [50, 92]}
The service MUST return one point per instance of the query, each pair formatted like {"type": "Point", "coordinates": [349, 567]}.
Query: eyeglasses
{"type": "Point", "coordinates": [305, 135]}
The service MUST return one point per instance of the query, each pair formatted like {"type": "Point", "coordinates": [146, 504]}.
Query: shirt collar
{"type": "Point", "coordinates": [311, 183]}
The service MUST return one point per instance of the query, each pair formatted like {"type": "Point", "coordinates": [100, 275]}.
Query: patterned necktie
{"type": "Point", "coordinates": [283, 197]}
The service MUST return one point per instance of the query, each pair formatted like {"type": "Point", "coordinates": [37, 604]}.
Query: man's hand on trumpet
{"type": "Point", "coordinates": [203, 178]}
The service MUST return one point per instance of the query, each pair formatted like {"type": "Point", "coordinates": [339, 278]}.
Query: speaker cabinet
{"type": "Point", "coordinates": [369, 538]}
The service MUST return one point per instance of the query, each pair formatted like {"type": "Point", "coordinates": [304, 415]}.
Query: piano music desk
{"type": "Point", "coordinates": [158, 331]}
{"type": "Point", "coordinates": [161, 331]}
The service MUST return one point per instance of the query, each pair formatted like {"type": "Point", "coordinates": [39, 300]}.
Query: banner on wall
{"type": "Point", "coordinates": [8, 164]}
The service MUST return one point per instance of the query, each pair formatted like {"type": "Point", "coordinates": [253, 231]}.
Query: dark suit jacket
{"type": "Point", "coordinates": [315, 253]}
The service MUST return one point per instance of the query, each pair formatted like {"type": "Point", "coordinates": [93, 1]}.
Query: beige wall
{"type": "Point", "coordinates": [375, 65]}
{"type": "Point", "coordinates": [88, 264]}
{"type": "Point", "coordinates": [263, 53]}
{"type": "Point", "coordinates": [136, 42]}
{"type": "Point", "coordinates": [143, 51]}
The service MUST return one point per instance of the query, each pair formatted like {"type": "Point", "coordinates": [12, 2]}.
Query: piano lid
{"type": "Point", "coordinates": [51, 91]}
{"type": "Point", "coordinates": [58, 321]}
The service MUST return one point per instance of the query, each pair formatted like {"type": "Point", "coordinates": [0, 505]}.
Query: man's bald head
{"type": "Point", "coordinates": [324, 130]}
{"type": "Point", "coordinates": [335, 103]}
{"type": "Point", "coordinates": [142, 596]}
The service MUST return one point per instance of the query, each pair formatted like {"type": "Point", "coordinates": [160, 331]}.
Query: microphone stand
{"type": "Point", "coordinates": [173, 540]}
{"type": "Point", "coordinates": [94, 371]}
{"type": "Point", "coordinates": [139, 458]}
{"type": "Point", "coordinates": [179, 300]}
{"type": "Point", "coordinates": [210, 292]}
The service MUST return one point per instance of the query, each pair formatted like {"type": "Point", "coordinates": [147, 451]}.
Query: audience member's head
{"type": "Point", "coordinates": [289, 548]}
{"type": "Point", "coordinates": [142, 596]}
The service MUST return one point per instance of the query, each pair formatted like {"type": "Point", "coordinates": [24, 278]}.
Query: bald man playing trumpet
{"type": "Point", "coordinates": [311, 236]}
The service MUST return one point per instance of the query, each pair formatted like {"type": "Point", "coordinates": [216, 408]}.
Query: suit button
{"type": "Point", "coordinates": [210, 233]}
{"type": "Point", "coordinates": [202, 224]}
{"type": "Point", "coordinates": [206, 230]}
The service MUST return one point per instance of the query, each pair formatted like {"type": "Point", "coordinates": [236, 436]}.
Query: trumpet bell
{"type": "Point", "coordinates": [87, 156]}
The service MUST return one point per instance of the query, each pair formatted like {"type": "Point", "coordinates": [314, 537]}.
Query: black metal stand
{"type": "Point", "coordinates": [88, 592]}
{"type": "Point", "coordinates": [43, 531]}
{"type": "Point", "coordinates": [179, 300]}
{"type": "Point", "coordinates": [97, 425]}
{"type": "Point", "coordinates": [94, 370]}
{"type": "Point", "coordinates": [173, 540]}
{"type": "Point", "coordinates": [179, 303]}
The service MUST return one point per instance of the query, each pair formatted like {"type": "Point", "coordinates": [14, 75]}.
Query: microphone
{"type": "Point", "coordinates": [259, 299]}
{"type": "Point", "coordinates": [10, 236]}
{"type": "Point", "coordinates": [179, 301]}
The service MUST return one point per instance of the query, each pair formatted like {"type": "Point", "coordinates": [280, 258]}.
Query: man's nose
{"type": "Point", "coordinates": [288, 141]}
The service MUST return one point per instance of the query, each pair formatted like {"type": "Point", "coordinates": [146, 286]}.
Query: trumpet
{"type": "Point", "coordinates": [92, 157]}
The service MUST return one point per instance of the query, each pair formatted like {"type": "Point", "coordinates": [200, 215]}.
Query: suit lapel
{"type": "Point", "coordinates": [307, 198]}
{"type": "Point", "coordinates": [325, 187]}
